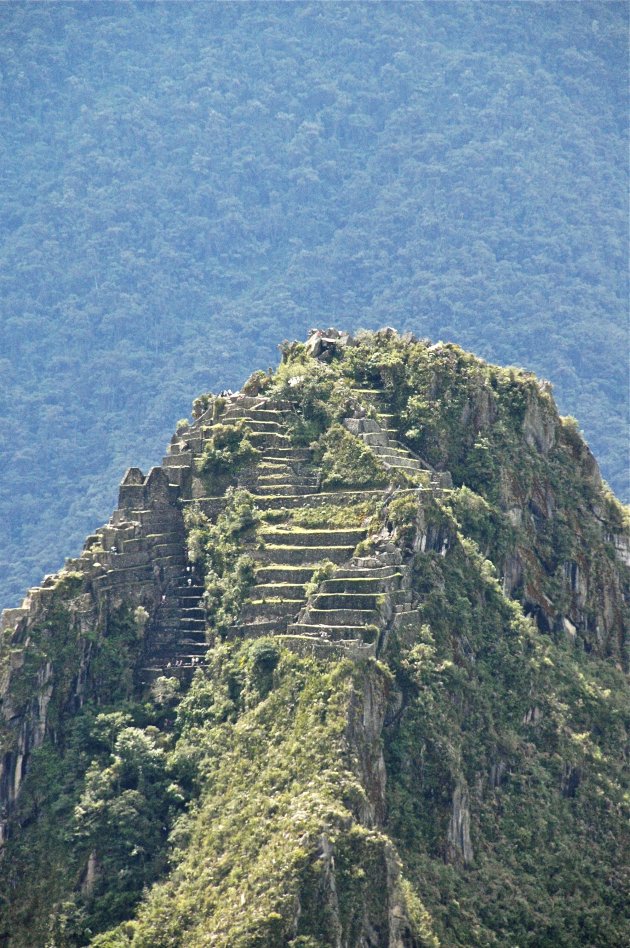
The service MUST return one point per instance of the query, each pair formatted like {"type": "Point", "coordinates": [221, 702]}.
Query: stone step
{"type": "Point", "coordinates": [389, 452]}
{"type": "Point", "coordinates": [178, 667]}
{"type": "Point", "coordinates": [334, 617]}
{"type": "Point", "coordinates": [185, 647]}
{"type": "Point", "coordinates": [285, 490]}
{"type": "Point", "coordinates": [341, 498]}
{"type": "Point", "coordinates": [171, 564]}
{"type": "Point", "coordinates": [280, 468]}
{"type": "Point", "coordinates": [361, 584]}
{"type": "Point", "coordinates": [409, 619]}
{"type": "Point", "coordinates": [158, 519]}
{"type": "Point", "coordinates": [269, 439]}
{"type": "Point", "coordinates": [239, 401]}
{"type": "Point", "coordinates": [334, 632]}
{"type": "Point", "coordinates": [291, 575]}
{"type": "Point", "coordinates": [301, 555]}
{"type": "Point", "coordinates": [301, 537]}
{"type": "Point", "coordinates": [282, 590]}
{"type": "Point", "coordinates": [192, 625]}
{"type": "Point", "coordinates": [184, 603]}
{"type": "Point", "coordinates": [288, 454]}
{"type": "Point", "coordinates": [284, 478]}
{"type": "Point", "coordinates": [168, 549]}
{"type": "Point", "coordinates": [338, 601]}
{"type": "Point", "coordinates": [285, 608]}
{"type": "Point", "coordinates": [324, 648]}
{"type": "Point", "coordinates": [396, 448]}
{"type": "Point", "coordinates": [317, 499]}
{"type": "Point", "coordinates": [257, 414]}
{"type": "Point", "coordinates": [255, 423]}
{"type": "Point", "coordinates": [255, 629]}
{"type": "Point", "coordinates": [375, 439]}
{"type": "Point", "coordinates": [137, 557]}
{"type": "Point", "coordinates": [193, 612]}
{"type": "Point", "coordinates": [132, 544]}
{"type": "Point", "coordinates": [186, 606]}
{"type": "Point", "coordinates": [178, 459]}
{"type": "Point", "coordinates": [191, 595]}
{"type": "Point", "coordinates": [193, 437]}
{"type": "Point", "coordinates": [404, 465]}
{"type": "Point", "coordinates": [117, 577]}
{"type": "Point", "coordinates": [160, 537]}
{"type": "Point", "coordinates": [195, 636]}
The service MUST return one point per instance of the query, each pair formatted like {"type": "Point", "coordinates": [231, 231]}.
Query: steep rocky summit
{"type": "Point", "coordinates": [348, 669]}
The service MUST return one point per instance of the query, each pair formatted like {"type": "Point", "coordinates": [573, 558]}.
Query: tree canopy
{"type": "Point", "coordinates": [185, 184]}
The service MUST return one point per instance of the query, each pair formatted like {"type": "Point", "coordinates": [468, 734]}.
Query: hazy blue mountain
{"type": "Point", "coordinates": [184, 184]}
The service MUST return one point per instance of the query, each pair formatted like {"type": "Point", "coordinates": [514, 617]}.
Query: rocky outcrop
{"type": "Point", "coordinates": [47, 647]}
{"type": "Point", "coordinates": [460, 846]}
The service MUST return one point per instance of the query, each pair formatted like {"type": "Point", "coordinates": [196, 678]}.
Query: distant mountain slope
{"type": "Point", "coordinates": [184, 184]}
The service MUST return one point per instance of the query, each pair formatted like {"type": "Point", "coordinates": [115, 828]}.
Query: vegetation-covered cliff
{"type": "Point", "coordinates": [349, 669]}
{"type": "Point", "coordinates": [185, 184]}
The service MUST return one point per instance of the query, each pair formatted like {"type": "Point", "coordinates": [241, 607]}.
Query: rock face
{"type": "Point", "coordinates": [484, 555]}
{"type": "Point", "coordinates": [459, 826]}
{"type": "Point", "coordinates": [136, 560]}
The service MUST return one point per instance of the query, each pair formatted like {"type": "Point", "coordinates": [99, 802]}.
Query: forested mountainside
{"type": "Point", "coordinates": [186, 184]}
{"type": "Point", "coordinates": [348, 669]}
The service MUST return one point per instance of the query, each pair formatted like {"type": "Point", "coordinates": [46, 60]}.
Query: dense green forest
{"type": "Point", "coordinates": [185, 184]}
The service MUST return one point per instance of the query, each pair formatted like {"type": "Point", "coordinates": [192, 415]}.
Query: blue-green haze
{"type": "Point", "coordinates": [186, 184]}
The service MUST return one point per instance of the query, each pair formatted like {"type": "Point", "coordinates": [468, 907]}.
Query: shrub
{"type": "Point", "coordinates": [402, 514]}
{"type": "Point", "coordinates": [348, 462]}
{"type": "Point", "coordinates": [324, 571]}
{"type": "Point", "coordinates": [257, 383]}
{"type": "Point", "coordinates": [218, 548]}
{"type": "Point", "coordinates": [225, 453]}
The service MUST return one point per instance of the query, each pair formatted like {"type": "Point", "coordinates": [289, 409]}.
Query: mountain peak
{"type": "Point", "coordinates": [351, 654]}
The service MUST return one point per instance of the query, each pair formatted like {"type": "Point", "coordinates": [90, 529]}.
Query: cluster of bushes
{"type": "Point", "coordinates": [217, 548]}
{"type": "Point", "coordinates": [226, 452]}
{"type": "Point", "coordinates": [347, 462]}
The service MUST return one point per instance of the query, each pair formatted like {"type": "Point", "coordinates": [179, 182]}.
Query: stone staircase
{"type": "Point", "coordinates": [368, 596]}
{"type": "Point", "coordinates": [356, 606]}
{"type": "Point", "coordinates": [138, 559]}
{"type": "Point", "coordinates": [380, 434]}
{"type": "Point", "coordinates": [141, 552]}
{"type": "Point", "coordinates": [179, 643]}
{"type": "Point", "coordinates": [286, 556]}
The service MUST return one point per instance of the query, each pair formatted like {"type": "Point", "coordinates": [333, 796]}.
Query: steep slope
{"type": "Point", "coordinates": [348, 669]}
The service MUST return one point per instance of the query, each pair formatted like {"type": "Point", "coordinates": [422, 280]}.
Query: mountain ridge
{"type": "Point", "coordinates": [187, 186]}
{"type": "Point", "coordinates": [360, 636]}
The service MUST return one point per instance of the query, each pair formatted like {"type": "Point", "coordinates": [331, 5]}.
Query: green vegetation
{"type": "Point", "coordinates": [225, 453]}
{"type": "Point", "coordinates": [190, 183]}
{"type": "Point", "coordinates": [531, 728]}
{"type": "Point", "coordinates": [265, 736]}
{"type": "Point", "coordinates": [326, 515]}
{"type": "Point", "coordinates": [348, 462]}
{"type": "Point", "coordinates": [325, 571]}
{"type": "Point", "coordinates": [73, 807]}
{"type": "Point", "coordinates": [217, 549]}
{"type": "Point", "coordinates": [467, 787]}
